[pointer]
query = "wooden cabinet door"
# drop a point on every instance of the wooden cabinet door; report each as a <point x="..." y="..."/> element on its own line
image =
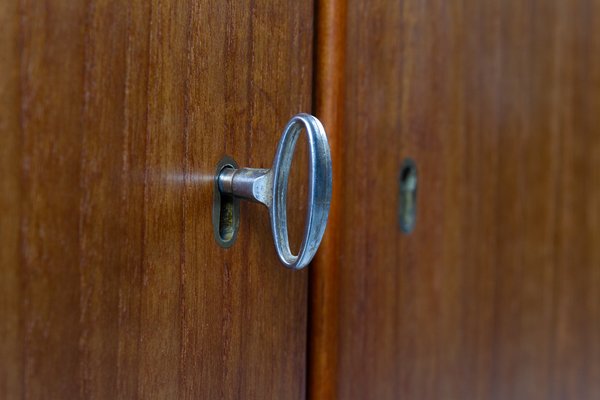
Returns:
<point x="113" y="116"/>
<point x="496" y="292"/>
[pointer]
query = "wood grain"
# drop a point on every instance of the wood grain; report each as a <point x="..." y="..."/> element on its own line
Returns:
<point x="52" y="108"/>
<point x="328" y="98"/>
<point x="113" y="117"/>
<point x="11" y="359"/>
<point x="495" y="294"/>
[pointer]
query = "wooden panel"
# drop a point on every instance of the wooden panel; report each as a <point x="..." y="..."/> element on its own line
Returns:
<point x="496" y="293"/>
<point x="52" y="63"/>
<point x="10" y="204"/>
<point x="113" y="118"/>
<point x="325" y="268"/>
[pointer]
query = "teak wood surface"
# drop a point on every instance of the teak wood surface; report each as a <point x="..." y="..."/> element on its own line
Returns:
<point x="323" y="299"/>
<point x="496" y="293"/>
<point x="113" y="116"/>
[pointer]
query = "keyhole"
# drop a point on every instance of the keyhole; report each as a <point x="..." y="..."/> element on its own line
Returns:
<point x="407" y="197"/>
<point x="226" y="209"/>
